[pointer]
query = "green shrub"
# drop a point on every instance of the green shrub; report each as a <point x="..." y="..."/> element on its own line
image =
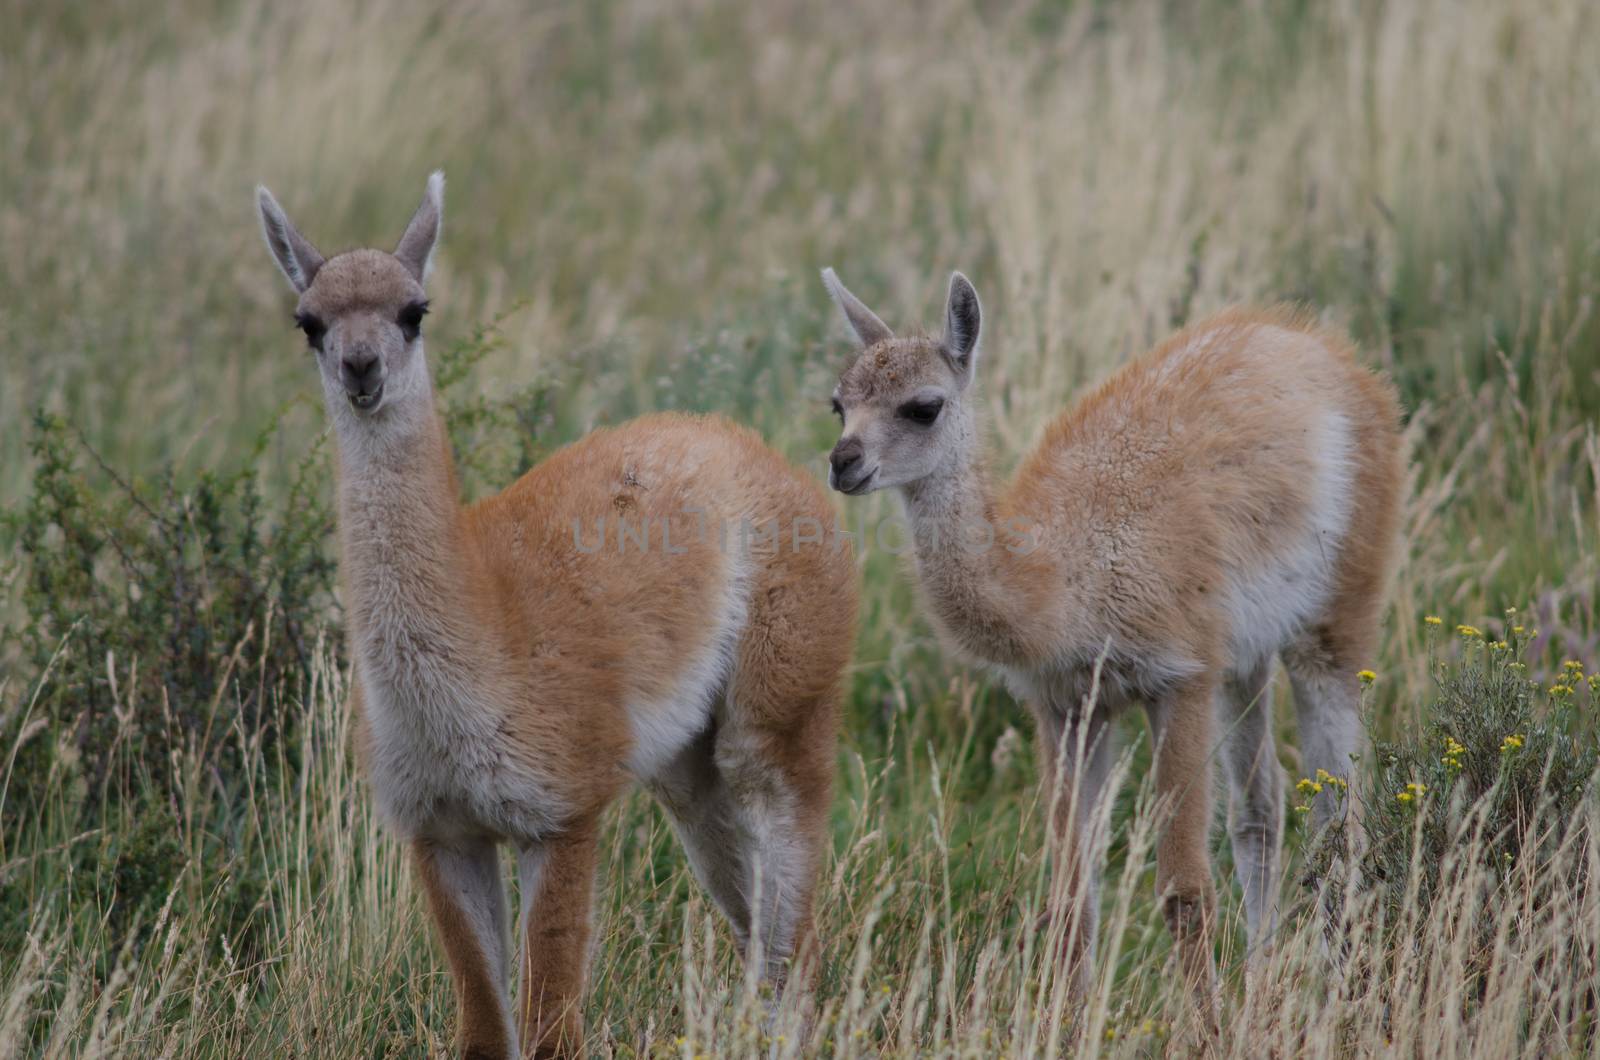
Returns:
<point x="1489" y="792"/>
<point x="140" y="599"/>
<point x="161" y="625"/>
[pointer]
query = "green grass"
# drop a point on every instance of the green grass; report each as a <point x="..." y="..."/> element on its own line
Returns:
<point x="639" y="199"/>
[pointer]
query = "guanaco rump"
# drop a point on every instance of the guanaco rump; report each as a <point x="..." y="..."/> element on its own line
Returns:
<point x="519" y="661"/>
<point x="1228" y="498"/>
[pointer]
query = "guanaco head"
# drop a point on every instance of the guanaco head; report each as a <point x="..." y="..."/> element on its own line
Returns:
<point x="362" y="310"/>
<point x="903" y="403"/>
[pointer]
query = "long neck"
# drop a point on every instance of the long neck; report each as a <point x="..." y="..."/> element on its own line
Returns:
<point x="970" y="564"/>
<point x="404" y="560"/>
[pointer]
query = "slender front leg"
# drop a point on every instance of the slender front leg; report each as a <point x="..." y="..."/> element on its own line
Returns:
<point x="1182" y="723"/>
<point x="462" y="881"/>
<point x="557" y="882"/>
<point x="1074" y="761"/>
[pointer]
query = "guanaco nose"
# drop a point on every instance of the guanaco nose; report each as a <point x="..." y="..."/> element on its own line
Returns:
<point x="360" y="371"/>
<point x="845" y="456"/>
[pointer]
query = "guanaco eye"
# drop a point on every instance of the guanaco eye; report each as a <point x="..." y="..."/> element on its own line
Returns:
<point x="410" y="319"/>
<point x="838" y="410"/>
<point x="922" y="412"/>
<point x="314" y="328"/>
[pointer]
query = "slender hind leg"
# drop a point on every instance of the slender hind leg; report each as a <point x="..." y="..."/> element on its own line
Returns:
<point x="467" y="900"/>
<point x="1255" y="783"/>
<point x="1074" y="761"/>
<point x="1323" y="665"/>
<point x="1323" y="668"/>
<point x="782" y="809"/>
<point x="755" y="834"/>
<point x="697" y="800"/>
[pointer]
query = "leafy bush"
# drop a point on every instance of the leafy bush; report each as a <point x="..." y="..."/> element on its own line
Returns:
<point x="161" y="625"/>
<point x="1489" y="794"/>
<point x="141" y="599"/>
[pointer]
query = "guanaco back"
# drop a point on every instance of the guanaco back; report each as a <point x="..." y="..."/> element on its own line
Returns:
<point x="520" y="661"/>
<point x="1229" y="498"/>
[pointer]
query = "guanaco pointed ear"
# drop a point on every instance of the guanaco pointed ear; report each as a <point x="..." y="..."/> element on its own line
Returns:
<point x="863" y="321"/>
<point x="422" y="234"/>
<point x="293" y="252"/>
<point x="963" y="318"/>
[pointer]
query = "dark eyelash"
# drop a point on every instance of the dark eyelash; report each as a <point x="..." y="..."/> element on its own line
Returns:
<point x="838" y="409"/>
<point x="923" y="412"/>
<point x="410" y="319"/>
<point x="314" y="328"/>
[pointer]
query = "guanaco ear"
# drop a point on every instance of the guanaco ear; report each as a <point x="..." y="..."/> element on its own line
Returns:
<point x="963" y="318"/>
<point x="293" y="252"/>
<point x="863" y="321"/>
<point x="422" y="234"/>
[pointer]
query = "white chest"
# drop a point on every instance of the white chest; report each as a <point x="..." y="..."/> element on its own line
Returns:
<point x="441" y="760"/>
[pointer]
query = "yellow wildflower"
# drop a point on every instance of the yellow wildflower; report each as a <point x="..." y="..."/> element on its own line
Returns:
<point x="1302" y="809"/>
<point x="1499" y="645"/>
<point x="1517" y="630"/>
<point x="1468" y="631"/>
<point x="1559" y="689"/>
<point x="1403" y="796"/>
<point x="1367" y="677"/>
<point x="1433" y="620"/>
<point x="1511" y="743"/>
<point x="1307" y="786"/>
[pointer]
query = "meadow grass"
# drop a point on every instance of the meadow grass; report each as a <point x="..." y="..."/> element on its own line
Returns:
<point x="639" y="198"/>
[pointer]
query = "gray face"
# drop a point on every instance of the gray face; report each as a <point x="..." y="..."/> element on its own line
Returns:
<point x="903" y="402"/>
<point x="362" y="315"/>
<point x="901" y="409"/>
<point x="361" y="311"/>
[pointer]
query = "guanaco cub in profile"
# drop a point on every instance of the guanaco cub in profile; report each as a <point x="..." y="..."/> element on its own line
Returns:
<point x="1230" y="497"/>
<point x="608" y="618"/>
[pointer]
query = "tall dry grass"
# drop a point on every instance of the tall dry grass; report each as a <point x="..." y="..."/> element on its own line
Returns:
<point x="642" y="192"/>
<point x="927" y="934"/>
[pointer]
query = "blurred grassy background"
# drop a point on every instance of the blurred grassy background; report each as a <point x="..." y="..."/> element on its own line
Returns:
<point x="655" y="185"/>
<point x="641" y="193"/>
